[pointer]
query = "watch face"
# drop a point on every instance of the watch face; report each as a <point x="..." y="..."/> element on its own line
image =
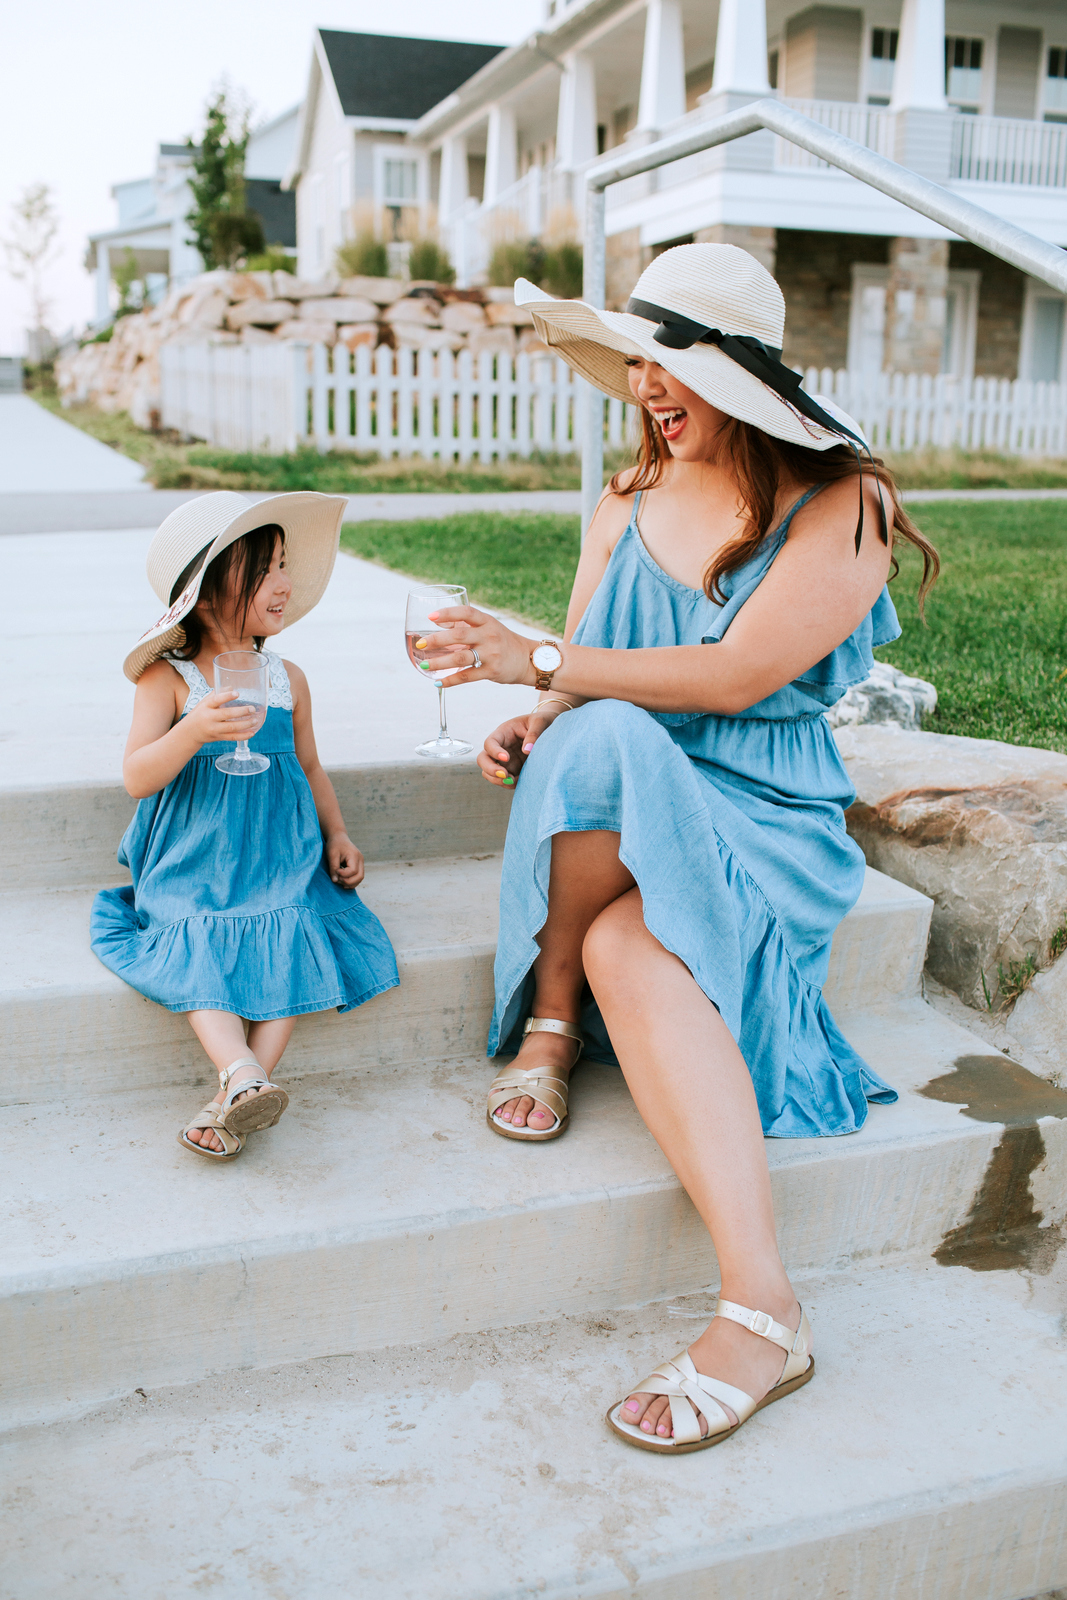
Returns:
<point x="547" y="657"/>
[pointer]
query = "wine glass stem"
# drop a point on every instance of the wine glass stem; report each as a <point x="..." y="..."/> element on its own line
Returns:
<point x="243" y="753"/>
<point x="443" y="735"/>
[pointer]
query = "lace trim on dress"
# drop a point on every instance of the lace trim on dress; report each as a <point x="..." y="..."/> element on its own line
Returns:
<point x="279" y="693"/>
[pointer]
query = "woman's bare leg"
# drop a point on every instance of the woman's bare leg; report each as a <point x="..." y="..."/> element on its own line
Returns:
<point x="224" y="1039"/>
<point x="586" y="876"/>
<point x="692" y="1087"/>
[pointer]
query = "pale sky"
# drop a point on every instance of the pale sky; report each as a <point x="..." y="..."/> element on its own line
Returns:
<point x="90" y="89"/>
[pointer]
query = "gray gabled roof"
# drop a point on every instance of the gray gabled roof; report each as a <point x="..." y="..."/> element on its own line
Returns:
<point x="380" y="75"/>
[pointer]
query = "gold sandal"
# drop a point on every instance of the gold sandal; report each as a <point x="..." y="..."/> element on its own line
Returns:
<point x="211" y="1117"/>
<point x="261" y="1110"/>
<point x="689" y="1390"/>
<point x="511" y="1082"/>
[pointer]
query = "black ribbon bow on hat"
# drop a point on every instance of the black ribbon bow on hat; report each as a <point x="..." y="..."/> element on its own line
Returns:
<point x="763" y="361"/>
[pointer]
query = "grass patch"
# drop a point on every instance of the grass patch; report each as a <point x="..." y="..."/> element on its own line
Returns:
<point x="979" y="469"/>
<point x="995" y="643"/>
<point x="519" y="562"/>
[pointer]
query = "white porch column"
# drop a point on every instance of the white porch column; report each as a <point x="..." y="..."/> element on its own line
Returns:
<point x="453" y="189"/>
<point x="501" y="152"/>
<point x="919" y="77"/>
<point x="103" y="283"/>
<point x="576" y="122"/>
<point x="662" y="67"/>
<point x="741" y="48"/>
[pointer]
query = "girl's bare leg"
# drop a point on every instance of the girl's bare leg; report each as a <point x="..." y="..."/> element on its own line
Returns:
<point x="586" y="876"/>
<point x="225" y="1039"/>
<point x="692" y="1087"/>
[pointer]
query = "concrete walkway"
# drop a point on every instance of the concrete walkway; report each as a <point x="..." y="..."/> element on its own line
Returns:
<point x="81" y="600"/>
<point x="41" y="453"/>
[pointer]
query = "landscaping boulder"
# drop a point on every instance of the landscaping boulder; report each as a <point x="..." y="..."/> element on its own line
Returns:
<point x="888" y="695"/>
<point x="415" y="309"/>
<point x="261" y="313"/>
<point x="355" y="334"/>
<point x="383" y="291"/>
<point x="463" y="316"/>
<point x="287" y="286"/>
<point x="310" y="332"/>
<point x="980" y="827"/>
<point x="492" y="341"/>
<point x="512" y="316"/>
<point x="1039" y="1019"/>
<point x="339" y="308"/>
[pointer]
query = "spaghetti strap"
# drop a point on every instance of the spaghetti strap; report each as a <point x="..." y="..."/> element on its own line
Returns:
<point x="809" y="494"/>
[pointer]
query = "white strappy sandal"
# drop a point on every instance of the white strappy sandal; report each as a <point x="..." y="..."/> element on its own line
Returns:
<point x="261" y="1110"/>
<point x="511" y="1083"/>
<point x="690" y="1392"/>
<point x="232" y="1144"/>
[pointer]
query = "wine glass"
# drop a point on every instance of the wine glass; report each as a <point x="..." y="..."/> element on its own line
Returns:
<point x="417" y="623"/>
<point x="248" y="672"/>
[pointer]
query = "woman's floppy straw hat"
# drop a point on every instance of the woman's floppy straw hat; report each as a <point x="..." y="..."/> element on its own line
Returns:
<point x="204" y="526"/>
<point x="711" y="316"/>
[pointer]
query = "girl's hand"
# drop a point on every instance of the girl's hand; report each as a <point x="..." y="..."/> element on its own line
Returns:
<point x="215" y="720"/>
<point x="343" y="861"/>
<point x="506" y="749"/>
<point x="504" y="654"/>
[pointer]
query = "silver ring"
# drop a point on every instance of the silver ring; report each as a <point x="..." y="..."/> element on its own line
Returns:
<point x="477" y="657"/>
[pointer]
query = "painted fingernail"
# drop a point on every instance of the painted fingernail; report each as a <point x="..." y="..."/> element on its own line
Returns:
<point x="420" y="644"/>
<point x="500" y="773"/>
<point x="433" y="615"/>
<point x="508" y="783"/>
<point x="526" y="749"/>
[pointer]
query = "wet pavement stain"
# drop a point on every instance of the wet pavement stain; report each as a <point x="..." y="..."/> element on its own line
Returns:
<point x="1003" y="1229"/>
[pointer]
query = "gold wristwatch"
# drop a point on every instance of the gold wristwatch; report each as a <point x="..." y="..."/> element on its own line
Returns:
<point x="546" y="658"/>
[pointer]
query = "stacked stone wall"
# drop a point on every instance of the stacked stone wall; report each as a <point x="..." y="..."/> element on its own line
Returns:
<point x="814" y="271"/>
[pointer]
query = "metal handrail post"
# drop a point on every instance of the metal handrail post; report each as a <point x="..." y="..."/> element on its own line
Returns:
<point x="1003" y="239"/>
<point x="594" y="283"/>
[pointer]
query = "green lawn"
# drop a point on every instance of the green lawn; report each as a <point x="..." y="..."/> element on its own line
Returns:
<point x="995" y="640"/>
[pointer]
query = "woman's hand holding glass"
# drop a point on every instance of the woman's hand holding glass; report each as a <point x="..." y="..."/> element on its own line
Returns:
<point x="504" y="655"/>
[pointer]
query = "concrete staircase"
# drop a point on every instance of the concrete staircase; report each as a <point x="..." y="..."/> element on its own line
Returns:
<point x="373" y="1356"/>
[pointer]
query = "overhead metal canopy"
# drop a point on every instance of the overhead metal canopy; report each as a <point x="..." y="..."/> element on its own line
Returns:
<point x="952" y="211"/>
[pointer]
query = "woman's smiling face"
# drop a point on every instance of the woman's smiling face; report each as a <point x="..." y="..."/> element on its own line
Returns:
<point x="688" y="424"/>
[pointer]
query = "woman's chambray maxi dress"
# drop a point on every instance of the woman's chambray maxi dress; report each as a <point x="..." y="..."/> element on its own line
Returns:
<point x="733" y="828"/>
<point x="231" y="906"/>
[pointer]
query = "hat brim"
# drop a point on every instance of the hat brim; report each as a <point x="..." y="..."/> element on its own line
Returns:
<point x="596" y="343"/>
<point x="311" y="523"/>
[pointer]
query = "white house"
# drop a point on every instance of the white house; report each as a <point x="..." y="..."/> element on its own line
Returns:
<point x="972" y="93"/>
<point x="152" y="211"/>
<point x="365" y="94"/>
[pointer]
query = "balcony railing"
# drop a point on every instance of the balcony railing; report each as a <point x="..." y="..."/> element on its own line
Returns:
<point x="868" y="125"/>
<point x="1007" y="150"/>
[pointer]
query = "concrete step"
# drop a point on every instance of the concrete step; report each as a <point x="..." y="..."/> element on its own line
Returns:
<point x="381" y="1210"/>
<point x="70" y="1025"/>
<point x="925" y="1459"/>
<point x="68" y="834"/>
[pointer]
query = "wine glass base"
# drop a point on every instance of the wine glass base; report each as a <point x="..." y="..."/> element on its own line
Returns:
<point x="234" y="767"/>
<point x="443" y="749"/>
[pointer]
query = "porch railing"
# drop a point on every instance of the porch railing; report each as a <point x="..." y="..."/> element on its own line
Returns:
<point x="1008" y="150"/>
<point x="867" y="125"/>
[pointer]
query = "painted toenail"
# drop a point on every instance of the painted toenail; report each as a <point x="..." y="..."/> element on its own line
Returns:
<point x="661" y="1429"/>
<point x="647" y="1426"/>
<point x="633" y="1406"/>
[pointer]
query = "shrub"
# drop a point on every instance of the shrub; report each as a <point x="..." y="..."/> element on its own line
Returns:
<point x="273" y="259"/>
<point x="235" y="235"/>
<point x="563" y="271"/>
<point x="363" y="257"/>
<point x="429" y="261"/>
<point x="516" y="258"/>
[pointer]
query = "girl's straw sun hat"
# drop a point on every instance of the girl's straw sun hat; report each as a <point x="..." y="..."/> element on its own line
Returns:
<point x="711" y="316"/>
<point x="206" y="525"/>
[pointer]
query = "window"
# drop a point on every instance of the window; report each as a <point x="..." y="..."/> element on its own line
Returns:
<point x="963" y="73"/>
<point x="866" y="329"/>
<point x="1056" y="86"/>
<point x="880" y="65"/>
<point x="772" y="69"/>
<point x="1042" y="348"/>
<point x="342" y="196"/>
<point x="400" y="182"/>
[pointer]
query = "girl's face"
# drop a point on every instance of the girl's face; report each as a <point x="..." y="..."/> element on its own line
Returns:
<point x="266" y="614"/>
<point x="688" y="423"/>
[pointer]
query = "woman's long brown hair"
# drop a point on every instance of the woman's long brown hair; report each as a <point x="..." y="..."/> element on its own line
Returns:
<point x="761" y="465"/>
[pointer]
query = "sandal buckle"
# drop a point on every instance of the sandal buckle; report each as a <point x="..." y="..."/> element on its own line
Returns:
<point x="759" y="1317"/>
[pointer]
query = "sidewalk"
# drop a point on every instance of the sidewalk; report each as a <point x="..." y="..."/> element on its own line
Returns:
<point x="40" y="452"/>
<point x="79" y="601"/>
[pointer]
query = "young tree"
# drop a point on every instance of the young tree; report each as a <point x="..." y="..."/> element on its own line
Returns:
<point x="223" y="229"/>
<point x="28" y="246"/>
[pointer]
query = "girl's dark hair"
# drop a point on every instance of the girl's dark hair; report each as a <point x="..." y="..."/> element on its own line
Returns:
<point x="243" y="564"/>
<point x="761" y="464"/>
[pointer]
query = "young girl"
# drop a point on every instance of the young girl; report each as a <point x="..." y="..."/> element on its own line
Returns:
<point x="242" y="912"/>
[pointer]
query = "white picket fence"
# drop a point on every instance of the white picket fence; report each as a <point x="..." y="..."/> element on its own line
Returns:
<point x="274" y="398"/>
<point x="397" y="403"/>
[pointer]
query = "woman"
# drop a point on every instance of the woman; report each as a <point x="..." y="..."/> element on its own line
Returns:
<point x="677" y="859"/>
